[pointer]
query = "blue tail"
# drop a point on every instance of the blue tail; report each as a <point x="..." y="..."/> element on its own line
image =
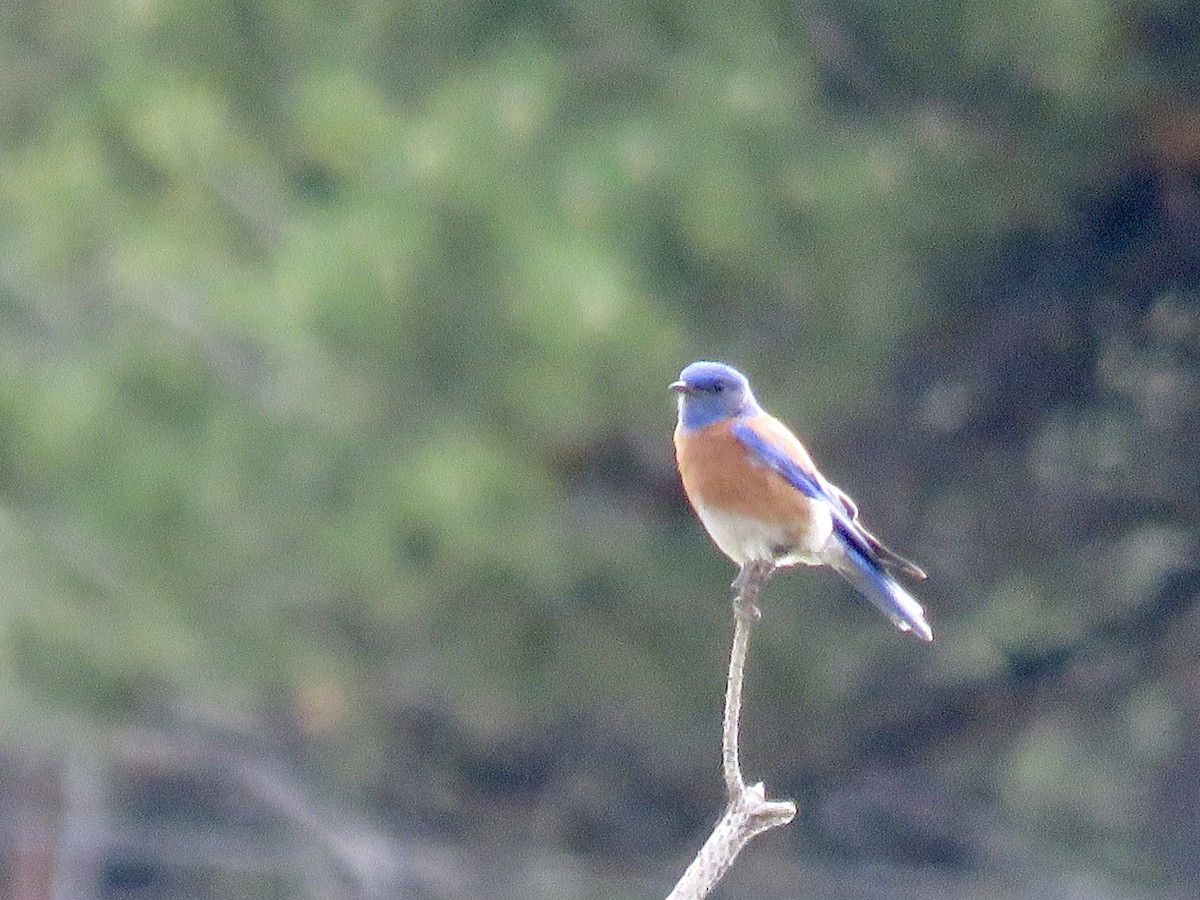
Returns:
<point x="885" y="592"/>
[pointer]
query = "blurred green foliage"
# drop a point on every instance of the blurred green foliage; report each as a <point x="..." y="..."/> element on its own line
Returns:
<point x="333" y="350"/>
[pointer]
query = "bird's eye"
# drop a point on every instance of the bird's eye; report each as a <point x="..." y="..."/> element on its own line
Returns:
<point x="718" y="387"/>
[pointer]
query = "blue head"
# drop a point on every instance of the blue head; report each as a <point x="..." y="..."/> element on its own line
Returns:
<point x="710" y="392"/>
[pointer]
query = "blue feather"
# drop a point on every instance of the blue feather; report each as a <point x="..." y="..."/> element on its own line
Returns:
<point x="860" y="563"/>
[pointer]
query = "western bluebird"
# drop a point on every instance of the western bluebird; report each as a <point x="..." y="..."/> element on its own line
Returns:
<point x="761" y="499"/>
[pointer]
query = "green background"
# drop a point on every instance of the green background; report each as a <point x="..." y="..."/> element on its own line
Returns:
<point x="341" y="549"/>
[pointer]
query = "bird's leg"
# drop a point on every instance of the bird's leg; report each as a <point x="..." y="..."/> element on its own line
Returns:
<point x="743" y="577"/>
<point x="750" y="579"/>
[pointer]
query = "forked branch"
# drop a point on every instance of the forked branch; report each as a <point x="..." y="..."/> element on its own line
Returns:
<point x="748" y="812"/>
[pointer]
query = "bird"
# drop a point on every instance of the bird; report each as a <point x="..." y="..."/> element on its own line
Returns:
<point x="762" y="500"/>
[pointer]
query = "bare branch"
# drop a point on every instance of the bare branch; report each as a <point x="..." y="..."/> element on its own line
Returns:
<point x="748" y="812"/>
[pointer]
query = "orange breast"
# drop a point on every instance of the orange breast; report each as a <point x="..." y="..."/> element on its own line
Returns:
<point x="718" y="473"/>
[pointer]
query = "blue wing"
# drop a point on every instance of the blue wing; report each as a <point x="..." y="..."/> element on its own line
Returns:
<point x="864" y="556"/>
<point x="843" y="509"/>
<point x="809" y="484"/>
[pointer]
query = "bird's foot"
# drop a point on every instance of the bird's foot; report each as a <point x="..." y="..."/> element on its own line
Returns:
<point x="751" y="578"/>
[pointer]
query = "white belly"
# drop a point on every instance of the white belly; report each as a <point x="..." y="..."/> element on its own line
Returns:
<point x="743" y="539"/>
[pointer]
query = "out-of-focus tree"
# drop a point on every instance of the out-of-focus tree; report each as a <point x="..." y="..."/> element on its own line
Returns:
<point x="333" y="352"/>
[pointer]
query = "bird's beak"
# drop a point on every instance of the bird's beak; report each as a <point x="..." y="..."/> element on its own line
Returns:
<point x="678" y="386"/>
